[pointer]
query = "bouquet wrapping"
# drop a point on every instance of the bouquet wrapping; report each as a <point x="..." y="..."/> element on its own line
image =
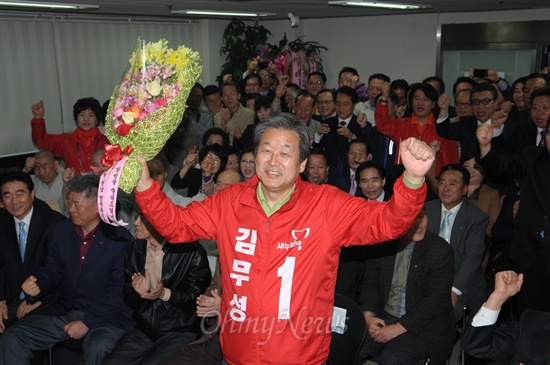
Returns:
<point x="145" y="109"/>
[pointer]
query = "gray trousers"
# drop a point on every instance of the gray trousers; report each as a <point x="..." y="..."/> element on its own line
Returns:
<point x="40" y="332"/>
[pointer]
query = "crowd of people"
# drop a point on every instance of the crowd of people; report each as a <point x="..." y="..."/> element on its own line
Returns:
<point x="405" y="198"/>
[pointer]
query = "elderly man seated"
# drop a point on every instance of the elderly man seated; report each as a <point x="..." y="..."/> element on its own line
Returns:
<point x="85" y="263"/>
<point x="48" y="183"/>
<point x="405" y="297"/>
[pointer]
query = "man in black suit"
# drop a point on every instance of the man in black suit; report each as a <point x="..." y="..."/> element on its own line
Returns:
<point x="371" y="179"/>
<point x="86" y="263"/>
<point x="483" y="101"/>
<point x="343" y="175"/>
<point x="335" y="134"/>
<point x="529" y="133"/>
<point x="405" y="297"/>
<point x="463" y="226"/>
<point x="38" y="221"/>
<point x="316" y="171"/>
<point x="525" y="342"/>
<point x="530" y="248"/>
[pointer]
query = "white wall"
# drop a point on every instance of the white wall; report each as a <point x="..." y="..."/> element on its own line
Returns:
<point x="212" y="39"/>
<point x="401" y="46"/>
<point x="61" y="61"/>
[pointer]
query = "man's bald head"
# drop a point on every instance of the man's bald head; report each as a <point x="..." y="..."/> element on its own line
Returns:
<point x="45" y="167"/>
<point x="226" y="178"/>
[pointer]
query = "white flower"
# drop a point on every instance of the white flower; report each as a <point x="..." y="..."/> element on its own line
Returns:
<point x="153" y="88"/>
<point x="128" y="117"/>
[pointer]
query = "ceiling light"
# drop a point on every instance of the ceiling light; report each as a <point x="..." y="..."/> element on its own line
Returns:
<point x="30" y="4"/>
<point x="378" y="4"/>
<point x="221" y="13"/>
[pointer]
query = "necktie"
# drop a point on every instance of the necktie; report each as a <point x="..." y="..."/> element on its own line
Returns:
<point x="395" y="304"/>
<point x="342" y="123"/>
<point x="353" y="186"/>
<point x="22" y="247"/>
<point x="445" y="230"/>
<point x="542" y="142"/>
<point x="22" y="239"/>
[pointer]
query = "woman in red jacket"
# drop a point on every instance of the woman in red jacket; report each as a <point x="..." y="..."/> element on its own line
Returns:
<point x="423" y="100"/>
<point x="78" y="147"/>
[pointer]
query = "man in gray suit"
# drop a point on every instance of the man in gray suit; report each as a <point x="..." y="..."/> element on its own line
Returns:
<point x="463" y="225"/>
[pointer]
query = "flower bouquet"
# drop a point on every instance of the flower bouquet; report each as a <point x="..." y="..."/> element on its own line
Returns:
<point x="145" y="109"/>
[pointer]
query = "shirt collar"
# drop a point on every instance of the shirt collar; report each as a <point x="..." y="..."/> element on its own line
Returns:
<point x="151" y="246"/>
<point x="489" y="122"/>
<point x="347" y="120"/>
<point x="453" y="210"/>
<point x="263" y="201"/>
<point x="80" y="232"/>
<point x="27" y="219"/>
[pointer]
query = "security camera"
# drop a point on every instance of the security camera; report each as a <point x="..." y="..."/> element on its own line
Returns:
<point x="294" y="20"/>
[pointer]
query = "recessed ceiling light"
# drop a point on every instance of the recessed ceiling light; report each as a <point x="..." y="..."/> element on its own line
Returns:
<point x="30" y="4"/>
<point x="222" y="13"/>
<point x="378" y="4"/>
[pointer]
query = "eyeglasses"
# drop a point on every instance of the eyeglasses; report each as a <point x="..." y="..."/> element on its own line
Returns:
<point x="476" y="102"/>
<point x="215" y="160"/>
<point x="248" y="162"/>
<point x="458" y="104"/>
<point x="265" y="76"/>
<point x="314" y="83"/>
<point x="233" y="93"/>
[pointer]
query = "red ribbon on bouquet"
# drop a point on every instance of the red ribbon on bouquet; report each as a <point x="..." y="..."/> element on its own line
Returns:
<point x="114" y="153"/>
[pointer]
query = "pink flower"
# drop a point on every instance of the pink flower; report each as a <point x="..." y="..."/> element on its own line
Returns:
<point x="144" y="113"/>
<point x="150" y="107"/>
<point x="117" y="112"/>
<point x="160" y="102"/>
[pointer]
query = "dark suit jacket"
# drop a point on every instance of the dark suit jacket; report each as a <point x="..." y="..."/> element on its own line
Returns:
<point x="13" y="272"/>
<point x="526" y="341"/>
<point x="532" y="166"/>
<point x="428" y="301"/>
<point x="339" y="176"/>
<point x="383" y="149"/>
<point x="98" y="288"/>
<point x="522" y="135"/>
<point x="335" y="145"/>
<point x="468" y="243"/>
<point x="464" y="131"/>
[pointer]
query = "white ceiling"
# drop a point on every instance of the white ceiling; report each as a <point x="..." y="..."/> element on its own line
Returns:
<point x="303" y="9"/>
